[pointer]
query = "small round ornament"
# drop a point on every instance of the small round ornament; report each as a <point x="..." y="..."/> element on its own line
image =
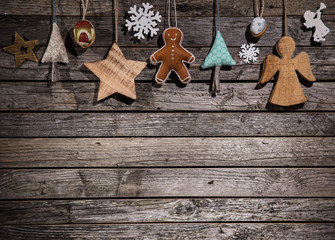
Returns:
<point x="84" y="33"/>
<point x="258" y="27"/>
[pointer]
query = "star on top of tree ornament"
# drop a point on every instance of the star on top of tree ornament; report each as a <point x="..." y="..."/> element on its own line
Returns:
<point x="19" y="46"/>
<point x="116" y="73"/>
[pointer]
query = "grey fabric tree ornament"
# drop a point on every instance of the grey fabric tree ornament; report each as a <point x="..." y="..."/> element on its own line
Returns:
<point x="56" y="51"/>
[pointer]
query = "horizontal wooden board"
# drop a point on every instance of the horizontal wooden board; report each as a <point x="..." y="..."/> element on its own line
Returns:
<point x="322" y="63"/>
<point x="193" y="231"/>
<point x="184" y="8"/>
<point x="166" y="210"/>
<point x="165" y="152"/>
<point x="233" y="31"/>
<point x="68" y="96"/>
<point x="167" y="182"/>
<point x="179" y="124"/>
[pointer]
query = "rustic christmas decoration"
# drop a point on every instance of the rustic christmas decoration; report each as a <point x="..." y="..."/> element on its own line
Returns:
<point x="22" y="50"/>
<point x="172" y="56"/>
<point x="116" y="73"/>
<point x="249" y="53"/>
<point x="84" y="33"/>
<point x="258" y="25"/>
<point x="55" y="51"/>
<point x="287" y="90"/>
<point x="218" y="55"/>
<point x="313" y="20"/>
<point x="143" y="21"/>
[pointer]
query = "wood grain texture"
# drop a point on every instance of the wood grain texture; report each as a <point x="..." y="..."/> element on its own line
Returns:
<point x="149" y="124"/>
<point x="149" y="152"/>
<point x="167" y="182"/>
<point x="177" y="163"/>
<point x="322" y="64"/>
<point x="193" y="231"/>
<point x="116" y="73"/>
<point x="81" y="96"/>
<point x="184" y="8"/>
<point x="39" y="27"/>
<point x="166" y="210"/>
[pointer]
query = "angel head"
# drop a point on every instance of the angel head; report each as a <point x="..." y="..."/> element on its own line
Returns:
<point x="285" y="47"/>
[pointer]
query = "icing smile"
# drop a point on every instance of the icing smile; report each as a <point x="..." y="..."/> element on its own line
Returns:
<point x="173" y="39"/>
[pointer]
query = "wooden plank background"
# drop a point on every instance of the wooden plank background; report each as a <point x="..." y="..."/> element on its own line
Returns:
<point x="177" y="163"/>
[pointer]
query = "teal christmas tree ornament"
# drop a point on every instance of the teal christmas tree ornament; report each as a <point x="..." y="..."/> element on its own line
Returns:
<point x="218" y="55"/>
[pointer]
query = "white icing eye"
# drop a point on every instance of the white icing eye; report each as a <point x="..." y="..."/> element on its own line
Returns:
<point x="168" y="34"/>
<point x="176" y="34"/>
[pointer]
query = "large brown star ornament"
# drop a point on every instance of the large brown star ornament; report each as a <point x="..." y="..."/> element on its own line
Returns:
<point x="20" y="44"/>
<point x="116" y="73"/>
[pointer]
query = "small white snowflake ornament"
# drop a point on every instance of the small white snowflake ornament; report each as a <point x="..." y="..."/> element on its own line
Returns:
<point x="143" y="21"/>
<point x="249" y="52"/>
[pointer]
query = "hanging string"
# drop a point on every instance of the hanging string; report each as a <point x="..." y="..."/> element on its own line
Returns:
<point x="175" y="13"/>
<point x="54" y="5"/>
<point x="116" y="19"/>
<point x="285" y="17"/>
<point x="217" y="24"/>
<point x="258" y="12"/>
<point x="84" y="6"/>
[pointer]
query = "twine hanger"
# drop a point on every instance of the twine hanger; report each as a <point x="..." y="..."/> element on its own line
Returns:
<point x="54" y="6"/>
<point x="285" y="17"/>
<point x="258" y="12"/>
<point x="116" y="18"/>
<point x="175" y="13"/>
<point x="84" y="5"/>
<point x="217" y="23"/>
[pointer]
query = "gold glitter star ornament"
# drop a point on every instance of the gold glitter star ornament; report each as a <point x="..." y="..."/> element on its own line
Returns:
<point x="20" y="44"/>
<point x="116" y="73"/>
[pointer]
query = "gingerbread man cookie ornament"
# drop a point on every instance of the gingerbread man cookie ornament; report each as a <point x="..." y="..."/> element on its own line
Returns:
<point x="172" y="57"/>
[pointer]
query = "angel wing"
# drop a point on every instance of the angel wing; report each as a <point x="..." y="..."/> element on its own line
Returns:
<point x="303" y="66"/>
<point x="270" y="67"/>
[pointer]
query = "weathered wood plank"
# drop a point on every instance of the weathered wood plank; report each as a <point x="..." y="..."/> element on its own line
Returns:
<point x="68" y="96"/>
<point x="39" y="27"/>
<point x="191" y="231"/>
<point x="81" y="73"/>
<point x="166" y="124"/>
<point x="321" y="60"/>
<point x="184" y="8"/>
<point x="166" y="210"/>
<point x="141" y="152"/>
<point x="167" y="182"/>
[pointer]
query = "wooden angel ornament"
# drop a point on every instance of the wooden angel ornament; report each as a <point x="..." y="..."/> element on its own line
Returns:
<point x="287" y="90"/>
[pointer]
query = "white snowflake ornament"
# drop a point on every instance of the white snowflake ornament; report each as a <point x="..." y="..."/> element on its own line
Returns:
<point x="249" y="52"/>
<point x="143" y="21"/>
